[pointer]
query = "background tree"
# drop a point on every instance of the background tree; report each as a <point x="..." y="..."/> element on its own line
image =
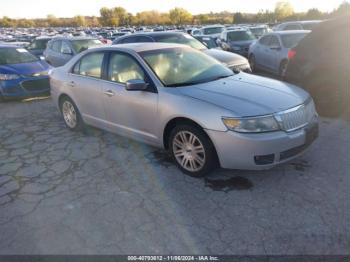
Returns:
<point x="180" y="16"/>
<point x="238" y="18"/>
<point x="79" y="21"/>
<point x="283" y="10"/>
<point x="121" y="15"/>
<point x="343" y="9"/>
<point x="107" y="17"/>
<point x="313" y="14"/>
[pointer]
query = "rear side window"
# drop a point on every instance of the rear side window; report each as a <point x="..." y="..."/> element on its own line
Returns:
<point x="90" y="65"/>
<point x="56" y="46"/>
<point x="265" y="40"/>
<point x="274" y="41"/>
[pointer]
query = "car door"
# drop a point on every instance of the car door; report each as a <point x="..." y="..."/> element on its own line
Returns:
<point x="129" y="113"/>
<point x="53" y="54"/>
<point x="85" y="86"/>
<point x="275" y="49"/>
<point x="262" y="50"/>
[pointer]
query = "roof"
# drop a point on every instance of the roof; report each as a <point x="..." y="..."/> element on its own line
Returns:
<point x="140" y="47"/>
<point x="291" y="32"/>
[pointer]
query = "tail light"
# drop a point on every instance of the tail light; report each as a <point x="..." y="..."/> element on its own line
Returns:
<point x="291" y="54"/>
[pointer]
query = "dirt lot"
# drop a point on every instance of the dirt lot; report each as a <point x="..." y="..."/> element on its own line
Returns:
<point x="98" y="193"/>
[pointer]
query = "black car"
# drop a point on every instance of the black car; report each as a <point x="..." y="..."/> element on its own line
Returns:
<point x="234" y="61"/>
<point x="210" y="42"/>
<point x="38" y="46"/>
<point x="320" y="64"/>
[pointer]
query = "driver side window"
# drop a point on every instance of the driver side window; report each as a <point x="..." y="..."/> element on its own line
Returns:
<point x="123" y="68"/>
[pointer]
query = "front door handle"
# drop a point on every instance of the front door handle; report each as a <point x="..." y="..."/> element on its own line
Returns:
<point x="109" y="93"/>
<point x="72" y="83"/>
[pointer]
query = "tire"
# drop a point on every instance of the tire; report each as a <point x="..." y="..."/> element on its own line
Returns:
<point x="330" y="98"/>
<point x="252" y="63"/>
<point x="71" y="115"/>
<point x="283" y="69"/>
<point x="1" y="98"/>
<point x="189" y="162"/>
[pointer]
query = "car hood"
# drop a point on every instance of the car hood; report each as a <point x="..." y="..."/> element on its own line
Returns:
<point x="25" y="68"/>
<point x="248" y="95"/>
<point x="226" y="57"/>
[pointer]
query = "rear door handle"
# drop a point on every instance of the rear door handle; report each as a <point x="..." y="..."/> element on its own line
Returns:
<point x="72" y="83"/>
<point x="109" y="93"/>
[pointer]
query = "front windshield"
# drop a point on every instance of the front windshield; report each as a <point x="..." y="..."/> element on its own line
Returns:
<point x="82" y="45"/>
<point x="240" y="36"/>
<point x="290" y="41"/>
<point x="180" y="39"/>
<point x="213" y="30"/>
<point x="15" y="56"/>
<point x="184" y="66"/>
<point x="209" y="42"/>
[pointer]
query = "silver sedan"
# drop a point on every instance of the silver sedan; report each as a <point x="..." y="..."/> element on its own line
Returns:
<point x="174" y="97"/>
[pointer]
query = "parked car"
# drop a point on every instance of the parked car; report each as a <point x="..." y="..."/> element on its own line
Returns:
<point x="38" y="46"/>
<point x="22" y="74"/>
<point x="208" y="41"/>
<point x="61" y="49"/>
<point x="178" y="98"/>
<point x="270" y="53"/>
<point x="320" y="64"/>
<point x="233" y="61"/>
<point x="212" y="30"/>
<point x="298" y="25"/>
<point x="237" y="41"/>
<point x="259" y="30"/>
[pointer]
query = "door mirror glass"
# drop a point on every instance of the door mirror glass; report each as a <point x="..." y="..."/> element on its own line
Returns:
<point x="136" y="85"/>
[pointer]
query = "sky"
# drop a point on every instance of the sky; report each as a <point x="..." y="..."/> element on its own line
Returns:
<point x="70" y="8"/>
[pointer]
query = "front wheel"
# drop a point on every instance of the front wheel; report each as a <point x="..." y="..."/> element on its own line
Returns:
<point x="192" y="150"/>
<point x="71" y="115"/>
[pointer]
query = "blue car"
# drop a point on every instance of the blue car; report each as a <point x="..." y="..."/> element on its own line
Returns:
<point x="22" y="74"/>
<point x="271" y="52"/>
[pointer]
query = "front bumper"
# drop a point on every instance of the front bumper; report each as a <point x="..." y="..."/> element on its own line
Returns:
<point x="25" y="87"/>
<point x="261" y="151"/>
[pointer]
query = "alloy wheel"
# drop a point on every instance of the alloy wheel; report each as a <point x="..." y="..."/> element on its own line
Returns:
<point x="69" y="114"/>
<point x="189" y="151"/>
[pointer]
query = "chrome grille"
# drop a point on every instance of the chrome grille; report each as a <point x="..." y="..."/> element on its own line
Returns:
<point x="297" y="117"/>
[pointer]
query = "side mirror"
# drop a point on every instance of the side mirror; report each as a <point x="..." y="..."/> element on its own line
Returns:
<point x="136" y="85"/>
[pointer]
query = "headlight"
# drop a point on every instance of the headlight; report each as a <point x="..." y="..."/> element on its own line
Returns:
<point x="9" y="76"/>
<point x="236" y="48"/>
<point x="252" y="124"/>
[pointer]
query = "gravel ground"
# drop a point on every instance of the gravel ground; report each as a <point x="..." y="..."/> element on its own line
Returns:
<point x="98" y="193"/>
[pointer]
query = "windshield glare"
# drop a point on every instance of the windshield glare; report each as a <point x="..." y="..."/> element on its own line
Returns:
<point x="184" y="66"/>
<point x="240" y="36"/>
<point x="82" y="45"/>
<point x="15" y="56"/>
<point x="181" y="39"/>
<point x="290" y="41"/>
